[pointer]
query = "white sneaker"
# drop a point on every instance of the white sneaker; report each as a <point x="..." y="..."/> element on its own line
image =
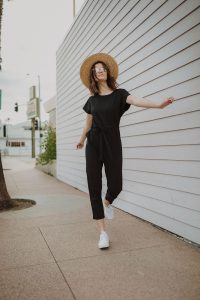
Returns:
<point x="104" y="240"/>
<point x="108" y="212"/>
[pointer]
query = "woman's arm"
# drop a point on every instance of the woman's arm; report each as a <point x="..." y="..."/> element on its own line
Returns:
<point x="88" y="124"/>
<point x="142" y="102"/>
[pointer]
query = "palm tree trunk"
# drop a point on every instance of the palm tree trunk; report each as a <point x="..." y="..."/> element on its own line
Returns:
<point x="5" y="200"/>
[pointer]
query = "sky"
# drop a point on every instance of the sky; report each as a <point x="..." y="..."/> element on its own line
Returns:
<point x="32" y="31"/>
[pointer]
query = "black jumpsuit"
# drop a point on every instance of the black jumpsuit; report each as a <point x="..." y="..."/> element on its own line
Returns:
<point x="104" y="147"/>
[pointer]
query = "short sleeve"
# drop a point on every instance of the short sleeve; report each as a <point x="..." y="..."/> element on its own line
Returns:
<point x="124" y="105"/>
<point x="87" y="106"/>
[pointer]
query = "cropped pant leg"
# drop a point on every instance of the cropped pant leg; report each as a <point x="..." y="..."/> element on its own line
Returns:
<point x="113" y="170"/>
<point x="94" y="179"/>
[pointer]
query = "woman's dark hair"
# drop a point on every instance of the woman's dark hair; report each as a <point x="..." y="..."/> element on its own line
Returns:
<point x="93" y="87"/>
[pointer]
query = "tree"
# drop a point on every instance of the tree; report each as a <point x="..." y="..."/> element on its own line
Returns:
<point x="48" y="146"/>
<point x="5" y="200"/>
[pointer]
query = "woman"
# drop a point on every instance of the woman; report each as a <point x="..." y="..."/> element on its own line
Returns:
<point x="104" y="109"/>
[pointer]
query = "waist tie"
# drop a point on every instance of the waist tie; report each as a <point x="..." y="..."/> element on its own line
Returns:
<point x="103" y="138"/>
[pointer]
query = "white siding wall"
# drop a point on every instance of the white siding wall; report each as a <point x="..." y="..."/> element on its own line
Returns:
<point x="156" y="44"/>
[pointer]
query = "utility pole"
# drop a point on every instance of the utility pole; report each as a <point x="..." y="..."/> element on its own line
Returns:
<point x="33" y="136"/>
<point x="39" y="115"/>
<point x="32" y="113"/>
<point x="74" y="8"/>
<point x="39" y="112"/>
<point x="6" y="134"/>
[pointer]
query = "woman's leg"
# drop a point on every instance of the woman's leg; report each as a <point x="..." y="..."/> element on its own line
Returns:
<point x="114" y="182"/>
<point x="113" y="170"/>
<point x="94" y="179"/>
<point x="101" y="224"/>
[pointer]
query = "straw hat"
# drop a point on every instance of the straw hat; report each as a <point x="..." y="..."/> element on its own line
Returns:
<point x="89" y="61"/>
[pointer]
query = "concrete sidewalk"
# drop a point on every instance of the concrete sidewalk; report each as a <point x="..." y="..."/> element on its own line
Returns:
<point x="49" y="251"/>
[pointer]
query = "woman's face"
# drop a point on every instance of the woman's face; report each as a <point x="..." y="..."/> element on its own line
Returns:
<point x="100" y="72"/>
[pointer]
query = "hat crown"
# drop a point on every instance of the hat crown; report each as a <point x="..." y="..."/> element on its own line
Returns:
<point x="107" y="59"/>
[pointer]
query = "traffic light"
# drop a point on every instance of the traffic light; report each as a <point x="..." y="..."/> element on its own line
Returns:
<point x="36" y="124"/>
<point x="16" y="106"/>
<point x="4" y="131"/>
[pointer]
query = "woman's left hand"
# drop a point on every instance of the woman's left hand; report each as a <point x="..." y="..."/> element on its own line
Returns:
<point x="167" y="101"/>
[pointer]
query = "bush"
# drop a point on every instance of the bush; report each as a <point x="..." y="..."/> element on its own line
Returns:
<point x="48" y="146"/>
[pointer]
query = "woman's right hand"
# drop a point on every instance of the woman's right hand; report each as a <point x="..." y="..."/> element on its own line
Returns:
<point x="80" y="145"/>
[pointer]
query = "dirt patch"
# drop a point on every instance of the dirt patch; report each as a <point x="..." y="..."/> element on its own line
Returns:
<point x="20" y="204"/>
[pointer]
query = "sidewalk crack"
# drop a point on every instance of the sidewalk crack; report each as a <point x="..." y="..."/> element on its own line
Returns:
<point x="58" y="265"/>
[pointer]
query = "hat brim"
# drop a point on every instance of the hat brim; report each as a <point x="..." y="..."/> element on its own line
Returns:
<point x="89" y="61"/>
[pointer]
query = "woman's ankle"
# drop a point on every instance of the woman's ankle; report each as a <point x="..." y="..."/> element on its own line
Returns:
<point x="101" y="225"/>
<point x="106" y="202"/>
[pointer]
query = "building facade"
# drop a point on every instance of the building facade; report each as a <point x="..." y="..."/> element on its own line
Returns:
<point x="156" y="44"/>
<point x="15" y="140"/>
<point x="50" y="108"/>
